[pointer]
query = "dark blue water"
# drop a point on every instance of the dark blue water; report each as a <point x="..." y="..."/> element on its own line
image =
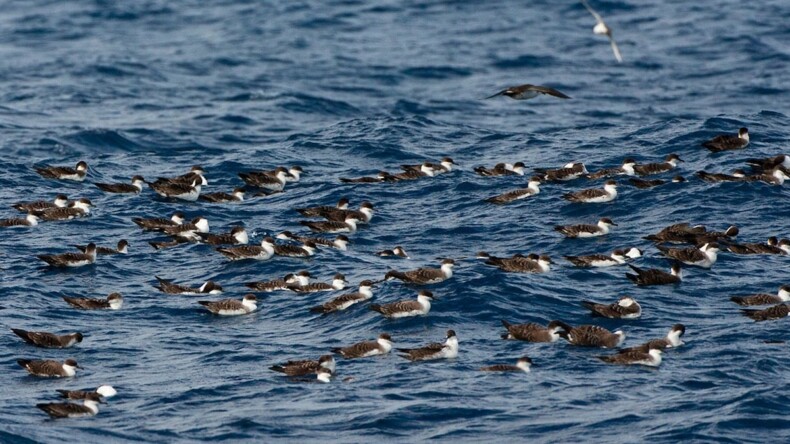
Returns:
<point x="346" y="88"/>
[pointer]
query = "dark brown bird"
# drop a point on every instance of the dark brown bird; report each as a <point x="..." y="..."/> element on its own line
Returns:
<point x="135" y="187"/>
<point x="592" y="336"/>
<point x="48" y="340"/>
<point x="652" y="276"/>
<point x="776" y="312"/>
<point x="522" y="365"/>
<point x="764" y="298"/>
<point x="533" y="332"/>
<point x="305" y="367"/>
<point x="527" y="91"/>
<point x="726" y="142"/>
<point x="113" y="302"/>
<point x="625" y="308"/>
<point x="89" y="407"/>
<point x="122" y="248"/>
<point x="380" y="346"/>
<point x="64" y="173"/>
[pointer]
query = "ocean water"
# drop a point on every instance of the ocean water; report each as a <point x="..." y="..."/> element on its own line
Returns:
<point x="347" y="88"/>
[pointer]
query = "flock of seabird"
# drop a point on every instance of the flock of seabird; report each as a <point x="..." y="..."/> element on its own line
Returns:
<point x="703" y="247"/>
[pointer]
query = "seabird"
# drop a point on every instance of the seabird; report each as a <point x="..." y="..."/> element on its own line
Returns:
<point x="196" y="172"/>
<point x="425" y="170"/>
<point x="527" y="91"/>
<point x="64" y="173"/>
<point x="50" y="369"/>
<point x="402" y="309"/>
<point x="448" y="350"/>
<point x="772" y="246"/>
<point x="261" y="252"/>
<point x="595" y="195"/>
<point x="625" y="308"/>
<point x="532" y="332"/>
<point x="586" y="230"/>
<point x="178" y="190"/>
<point x="775" y="177"/>
<point x="159" y="223"/>
<point x="626" y="169"/>
<point x="236" y="196"/>
<point x="643" y="184"/>
<point x="654" y="276"/>
<point x="618" y="257"/>
<point x="348" y="226"/>
<point x="319" y="211"/>
<point x="31" y="220"/>
<point x="323" y="375"/>
<point x="651" y="359"/>
<point x="424" y="276"/>
<point x="726" y="142"/>
<point x="776" y="312"/>
<point x="305" y="367"/>
<point x="769" y="163"/>
<point x="113" y="302"/>
<point x="502" y="169"/>
<point x="89" y="407"/>
<point x="380" y="346"/>
<point x="300" y="278"/>
<point x="763" y="298"/>
<point x="105" y="391"/>
<point x="78" y="208"/>
<point x="345" y="301"/>
<point x="267" y="180"/>
<point x="671" y="340"/>
<point x="522" y="193"/>
<point x="48" y="340"/>
<point x="123" y="248"/>
<point x="395" y="252"/>
<point x="135" y="187"/>
<point x="338" y="283"/>
<point x="601" y="28"/>
<point x="232" y="307"/>
<point x="570" y="171"/>
<point x="340" y="242"/>
<point x="40" y="205"/>
<point x="236" y="236"/>
<point x="519" y="263"/>
<point x="305" y="250"/>
<point x="445" y="166"/>
<point x="168" y="287"/>
<point x="71" y="259"/>
<point x="677" y="233"/>
<point x="382" y="176"/>
<point x="522" y="365"/>
<point x="647" y="169"/>
<point x="189" y="231"/>
<point x="736" y="176"/>
<point x="363" y="215"/>
<point x="704" y="256"/>
<point x="592" y="336"/>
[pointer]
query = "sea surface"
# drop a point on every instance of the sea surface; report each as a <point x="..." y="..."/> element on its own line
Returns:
<point x="348" y="88"/>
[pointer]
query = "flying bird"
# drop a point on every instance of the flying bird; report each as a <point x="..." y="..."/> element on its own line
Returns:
<point x="601" y="28"/>
<point x="527" y="91"/>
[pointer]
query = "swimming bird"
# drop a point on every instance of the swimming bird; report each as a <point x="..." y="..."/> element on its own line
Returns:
<point x="113" y="302"/>
<point x="300" y="279"/>
<point x="775" y="177"/>
<point x="776" y="312"/>
<point x="236" y="236"/>
<point x="520" y="263"/>
<point x="261" y="252"/>
<point x="122" y="248"/>
<point x="448" y="350"/>
<point x="763" y="298"/>
<point x="345" y="301"/>
<point x="626" y="169"/>
<point x="502" y="169"/>
<point x="64" y="173"/>
<point x="168" y="287"/>
<point x="570" y="171"/>
<point x="320" y="210"/>
<point x="618" y="257"/>
<point x="305" y="367"/>
<point x="105" y="391"/>
<point x="769" y="163"/>
<point x="425" y="170"/>
<point x="196" y="172"/>
<point x="532" y="332"/>
<point x="704" y="256"/>
<point x="594" y="195"/>
<point x="236" y="196"/>
<point x="60" y="201"/>
<point x="671" y="340"/>
<point x="50" y="369"/>
<point x="586" y="230"/>
<point x="76" y="209"/>
<point x="232" y="307"/>
<point x="189" y="232"/>
<point x="625" y="308"/>
<point x="592" y="336"/>
<point x="135" y="187"/>
<point x="338" y="283"/>
<point x="159" y="223"/>
<point x="650" y="359"/>
<point x="382" y="176"/>
<point x="89" y="407"/>
<point x="522" y="365"/>
<point x="677" y="233"/>
<point x="771" y="246"/>
<point x="643" y="184"/>
<point x="306" y="250"/>
<point x="364" y="214"/>
<point x="395" y="252"/>
<point x="182" y="191"/>
<point x="736" y="176"/>
<point x="380" y="346"/>
<point x="71" y="259"/>
<point x="424" y="276"/>
<point x="348" y="226"/>
<point x="654" y="276"/>
<point x="340" y="242"/>
<point x="532" y="189"/>
<point x="31" y="220"/>
<point x="267" y="180"/>
<point x="647" y="169"/>
<point x="48" y="340"/>
<point x="527" y="91"/>
<point x="402" y="309"/>
<point x="726" y="142"/>
<point x="601" y="28"/>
